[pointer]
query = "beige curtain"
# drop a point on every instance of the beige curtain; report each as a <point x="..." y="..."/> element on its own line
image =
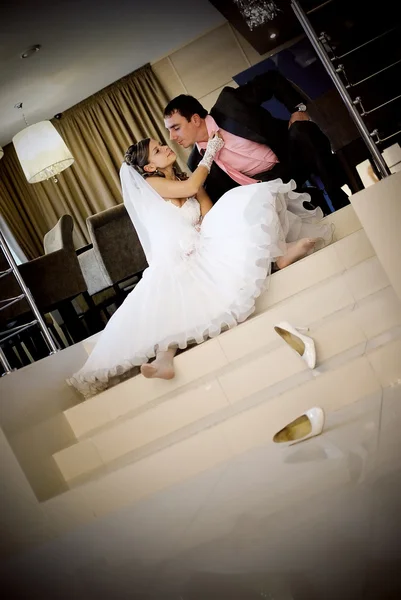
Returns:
<point x="97" y="131"/>
<point x="17" y="207"/>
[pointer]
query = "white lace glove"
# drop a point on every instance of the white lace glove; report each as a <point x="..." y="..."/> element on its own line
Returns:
<point x="213" y="146"/>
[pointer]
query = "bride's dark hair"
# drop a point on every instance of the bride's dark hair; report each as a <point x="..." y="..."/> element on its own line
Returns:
<point x="137" y="156"/>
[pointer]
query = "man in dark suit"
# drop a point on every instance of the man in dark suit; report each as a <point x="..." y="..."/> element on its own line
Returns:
<point x="258" y="147"/>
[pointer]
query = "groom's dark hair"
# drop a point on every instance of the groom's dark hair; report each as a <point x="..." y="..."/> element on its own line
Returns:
<point x="187" y="106"/>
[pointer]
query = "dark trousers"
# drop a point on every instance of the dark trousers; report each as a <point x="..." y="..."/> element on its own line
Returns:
<point x="309" y="153"/>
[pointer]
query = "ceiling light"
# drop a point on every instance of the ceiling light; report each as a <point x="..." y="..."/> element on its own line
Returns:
<point x="41" y="152"/>
<point x="273" y="35"/>
<point x="31" y="51"/>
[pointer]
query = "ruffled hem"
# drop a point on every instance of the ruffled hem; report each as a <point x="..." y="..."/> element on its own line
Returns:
<point x="259" y="260"/>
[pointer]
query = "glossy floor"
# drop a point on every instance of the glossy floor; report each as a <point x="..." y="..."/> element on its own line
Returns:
<point x="315" y="521"/>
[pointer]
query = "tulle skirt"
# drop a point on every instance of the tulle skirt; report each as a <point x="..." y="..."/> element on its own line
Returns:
<point x="209" y="286"/>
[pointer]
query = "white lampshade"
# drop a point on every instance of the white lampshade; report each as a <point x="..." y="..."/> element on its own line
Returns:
<point x="1" y="152"/>
<point x="41" y="151"/>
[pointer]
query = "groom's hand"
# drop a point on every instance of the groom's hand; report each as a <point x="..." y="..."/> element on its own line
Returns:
<point x="298" y="116"/>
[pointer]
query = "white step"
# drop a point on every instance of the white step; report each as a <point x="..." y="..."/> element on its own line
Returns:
<point x="345" y="222"/>
<point x="314" y="278"/>
<point x="255" y="361"/>
<point x="336" y="387"/>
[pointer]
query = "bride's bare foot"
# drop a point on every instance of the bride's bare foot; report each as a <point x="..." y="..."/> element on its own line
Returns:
<point x="158" y="371"/>
<point x="296" y="251"/>
<point x="161" y="368"/>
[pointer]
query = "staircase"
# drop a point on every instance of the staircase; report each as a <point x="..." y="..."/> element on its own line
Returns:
<point x="68" y="462"/>
<point x="233" y="392"/>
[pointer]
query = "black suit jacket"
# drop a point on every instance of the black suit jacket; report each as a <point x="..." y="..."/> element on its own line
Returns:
<point x="239" y="111"/>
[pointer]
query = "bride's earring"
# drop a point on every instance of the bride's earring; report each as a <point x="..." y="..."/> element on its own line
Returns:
<point x="147" y="169"/>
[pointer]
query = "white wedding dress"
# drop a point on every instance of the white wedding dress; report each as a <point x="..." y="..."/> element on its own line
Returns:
<point x="203" y="277"/>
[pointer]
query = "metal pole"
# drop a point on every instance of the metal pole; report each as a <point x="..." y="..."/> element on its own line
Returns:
<point x="321" y="52"/>
<point x="28" y="295"/>
<point x="6" y="365"/>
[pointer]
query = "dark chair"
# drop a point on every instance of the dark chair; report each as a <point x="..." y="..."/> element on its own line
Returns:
<point x="54" y="280"/>
<point x="21" y="339"/>
<point x="116" y="255"/>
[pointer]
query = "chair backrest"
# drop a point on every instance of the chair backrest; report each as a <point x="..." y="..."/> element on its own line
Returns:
<point x="60" y="236"/>
<point x="52" y="278"/>
<point x="116" y="243"/>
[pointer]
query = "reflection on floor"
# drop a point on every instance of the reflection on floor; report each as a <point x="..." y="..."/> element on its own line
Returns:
<point x="318" y="520"/>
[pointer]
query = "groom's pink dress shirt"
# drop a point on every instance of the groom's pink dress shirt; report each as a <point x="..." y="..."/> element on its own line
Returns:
<point x="240" y="158"/>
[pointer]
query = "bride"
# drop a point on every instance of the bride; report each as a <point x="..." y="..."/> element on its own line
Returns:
<point x="207" y="264"/>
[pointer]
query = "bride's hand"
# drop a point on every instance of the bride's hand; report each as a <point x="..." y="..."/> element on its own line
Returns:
<point x="215" y="143"/>
<point x="213" y="134"/>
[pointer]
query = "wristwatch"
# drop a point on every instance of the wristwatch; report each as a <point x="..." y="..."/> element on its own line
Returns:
<point x="300" y="107"/>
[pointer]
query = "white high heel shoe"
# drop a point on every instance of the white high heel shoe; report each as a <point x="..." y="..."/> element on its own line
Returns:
<point x="308" y="425"/>
<point x="302" y="344"/>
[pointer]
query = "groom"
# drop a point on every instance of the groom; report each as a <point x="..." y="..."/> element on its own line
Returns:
<point x="258" y="147"/>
